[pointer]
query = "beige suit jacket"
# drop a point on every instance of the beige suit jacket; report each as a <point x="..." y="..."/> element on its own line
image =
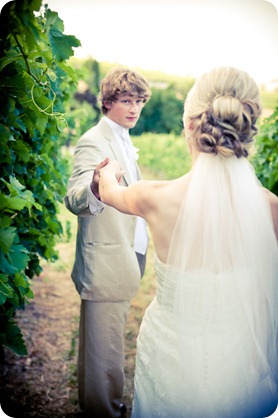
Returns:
<point x="106" y="266"/>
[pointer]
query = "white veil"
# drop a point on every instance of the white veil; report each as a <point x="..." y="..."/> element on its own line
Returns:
<point x="222" y="288"/>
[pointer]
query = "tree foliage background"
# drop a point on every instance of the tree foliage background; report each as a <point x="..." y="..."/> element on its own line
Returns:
<point x="266" y="157"/>
<point x="36" y="83"/>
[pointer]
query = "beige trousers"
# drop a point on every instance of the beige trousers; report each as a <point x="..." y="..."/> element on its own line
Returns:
<point x="101" y="357"/>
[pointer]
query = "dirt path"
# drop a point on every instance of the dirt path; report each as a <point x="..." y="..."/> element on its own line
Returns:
<point x="43" y="384"/>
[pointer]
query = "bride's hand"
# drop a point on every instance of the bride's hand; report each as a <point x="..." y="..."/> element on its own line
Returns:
<point x="114" y="168"/>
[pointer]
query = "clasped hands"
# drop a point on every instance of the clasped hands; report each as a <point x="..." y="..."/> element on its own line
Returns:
<point x="112" y="166"/>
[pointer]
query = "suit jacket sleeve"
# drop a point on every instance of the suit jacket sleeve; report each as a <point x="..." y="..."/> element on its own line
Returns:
<point x="87" y="156"/>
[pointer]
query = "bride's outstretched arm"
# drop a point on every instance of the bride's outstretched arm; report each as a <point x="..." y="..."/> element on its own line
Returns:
<point x="145" y="198"/>
<point x="124" y="199"/>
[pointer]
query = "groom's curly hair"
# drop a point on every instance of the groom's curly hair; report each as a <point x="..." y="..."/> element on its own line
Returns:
<point x="120" y="81"/>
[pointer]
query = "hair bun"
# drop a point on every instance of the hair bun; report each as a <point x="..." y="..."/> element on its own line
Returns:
<point x="224" y="105"/>
<point x="226" y="108"/>
<point x="228" y="126"/>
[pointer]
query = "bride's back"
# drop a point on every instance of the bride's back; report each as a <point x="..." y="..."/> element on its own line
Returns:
<point x="167" y="199"/>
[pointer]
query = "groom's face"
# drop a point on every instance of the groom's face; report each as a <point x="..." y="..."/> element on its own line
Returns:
<point x="125" y="110"/>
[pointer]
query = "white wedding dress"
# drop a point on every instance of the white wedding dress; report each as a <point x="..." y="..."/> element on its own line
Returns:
<point x="207" y="346"/>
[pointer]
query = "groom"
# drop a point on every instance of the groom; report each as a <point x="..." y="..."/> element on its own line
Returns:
<point x="110" y="246"/>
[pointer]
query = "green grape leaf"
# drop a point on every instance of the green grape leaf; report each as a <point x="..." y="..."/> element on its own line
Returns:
<point x="18" y="257"/>
<point x="7" y="237"/>
<point x="22" y="150"/>
<point x="11" y="56"/>
<point x="62" y="44"/>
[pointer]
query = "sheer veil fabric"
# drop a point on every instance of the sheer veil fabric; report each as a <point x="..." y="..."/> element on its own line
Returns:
<point x="218" y="296"/>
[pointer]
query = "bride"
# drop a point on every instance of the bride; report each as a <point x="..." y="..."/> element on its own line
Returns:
<point x="207" y="346"/>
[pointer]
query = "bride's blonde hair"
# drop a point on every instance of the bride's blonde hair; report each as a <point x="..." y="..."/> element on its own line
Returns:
<point x="223" y="107"/>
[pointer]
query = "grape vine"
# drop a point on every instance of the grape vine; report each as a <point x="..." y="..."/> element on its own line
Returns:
<point x="35" y="84"/>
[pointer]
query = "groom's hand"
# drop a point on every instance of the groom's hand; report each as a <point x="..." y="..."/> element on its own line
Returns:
<point x="95" y="180"/>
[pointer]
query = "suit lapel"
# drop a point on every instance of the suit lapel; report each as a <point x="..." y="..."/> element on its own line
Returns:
<point x="139" y="175"/>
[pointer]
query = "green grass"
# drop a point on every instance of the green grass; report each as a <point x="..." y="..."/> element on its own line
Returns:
<point x="269" y="99"/>
<point x="163" y="156"/>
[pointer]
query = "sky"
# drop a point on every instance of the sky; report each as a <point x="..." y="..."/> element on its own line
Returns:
<point x="183" y="37"/>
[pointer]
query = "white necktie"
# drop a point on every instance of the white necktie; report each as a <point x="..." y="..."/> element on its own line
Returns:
<point x="131" y="150"/>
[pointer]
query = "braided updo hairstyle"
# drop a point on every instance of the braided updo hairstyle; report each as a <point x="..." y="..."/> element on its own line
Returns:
<point x="224" y="106"/>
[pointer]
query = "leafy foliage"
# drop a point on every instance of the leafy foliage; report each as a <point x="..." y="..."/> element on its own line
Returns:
<point x="35" y="85"/>
<point x="266" y="157"/>
<point x="85" y="110"/>
<point x="163" y="113"/>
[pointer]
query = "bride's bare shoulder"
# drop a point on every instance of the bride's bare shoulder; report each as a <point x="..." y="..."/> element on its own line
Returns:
<point x="273" y="201"/>
<point x="150" y="194"/>
<point x="161" y="185"/>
